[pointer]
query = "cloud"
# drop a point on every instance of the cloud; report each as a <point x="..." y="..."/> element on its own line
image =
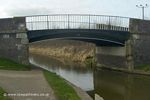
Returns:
<point x="3" y="14"/>
<point x="44" y="7"/>
<point x="34" y="7"/>
<point x="28" y="11"/>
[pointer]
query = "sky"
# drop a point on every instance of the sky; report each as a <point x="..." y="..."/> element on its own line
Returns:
<point x="126" y="8"/>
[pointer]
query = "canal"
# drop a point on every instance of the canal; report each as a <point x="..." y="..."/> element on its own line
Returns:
<point x="110" y="85"/>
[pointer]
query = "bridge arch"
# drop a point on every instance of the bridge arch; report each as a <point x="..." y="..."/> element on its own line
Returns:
<point x="99" y="37"/>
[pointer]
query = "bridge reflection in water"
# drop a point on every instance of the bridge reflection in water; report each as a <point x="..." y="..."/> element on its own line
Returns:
<point x="110" y="85"/>
<point x="75" y="73"/>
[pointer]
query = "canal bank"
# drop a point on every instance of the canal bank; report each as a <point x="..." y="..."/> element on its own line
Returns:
<point x="134" y="71"/>
<point x="21" y="83"/>
<point x="30" y="83"/>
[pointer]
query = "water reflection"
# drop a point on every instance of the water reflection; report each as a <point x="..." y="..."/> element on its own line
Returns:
<point x="121" y="86"/>
<point x="77" y="74"/>
<point x="110" y="85"/>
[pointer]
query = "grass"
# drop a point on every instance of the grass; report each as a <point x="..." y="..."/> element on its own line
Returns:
<point x="7" y="64"/>
<point x="2" y="97"/>
<point x="62" y="90"/>
<point x="145" y="68"/>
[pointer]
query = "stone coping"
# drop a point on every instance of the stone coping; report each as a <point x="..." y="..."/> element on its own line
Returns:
<point x="13" y="31"/>
<point x="138" y="72"/>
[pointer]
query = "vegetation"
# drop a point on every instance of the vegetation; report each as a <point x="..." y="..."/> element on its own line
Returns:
<point x="62" y="90"/>
<point x="143" y="67"/>
<point x="90" y="62"/>
<point x="7" y="64"/>
<point x="2" y="97"/>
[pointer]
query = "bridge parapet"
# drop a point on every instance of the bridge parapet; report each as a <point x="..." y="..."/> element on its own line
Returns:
<point x="139" y="26"/>
<point x="77" y="21"/>
<point x="139" y="42"/>
<point x="13" y="39"/>
<point x="10" y="25"/>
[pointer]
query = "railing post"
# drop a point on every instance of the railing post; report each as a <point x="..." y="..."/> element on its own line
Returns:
<point x="109" y="26"/>
<point x="68" y="21"/>
<point x="31" y="25"/>
<point x="47" y="23"/>
<point x="89" y="22"/>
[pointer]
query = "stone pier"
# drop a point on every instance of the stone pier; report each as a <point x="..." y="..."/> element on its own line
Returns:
<point x="111" y="56"/>
<point x="140" y="41"/>
<point x="136" y="51"/>
<point x="14" y="40"/>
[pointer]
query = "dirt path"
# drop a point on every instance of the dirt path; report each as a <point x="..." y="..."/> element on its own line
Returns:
<point x="29" y="84"/>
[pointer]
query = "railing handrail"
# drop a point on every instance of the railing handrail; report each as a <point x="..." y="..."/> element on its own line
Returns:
<point x="75" y="21"/>
<point x="74" y="15"/>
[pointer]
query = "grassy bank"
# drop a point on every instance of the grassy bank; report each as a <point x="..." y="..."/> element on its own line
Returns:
<point x="62" y="90"/>
<point x="145" y="68"/>
<point x="7" y="64"/>
<point x="1" y="95"/>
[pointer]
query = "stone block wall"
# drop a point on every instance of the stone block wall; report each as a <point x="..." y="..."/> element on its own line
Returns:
<point x="140" y="41"/>
<point x="141" y="50"/>
<point x="111" y="57"/>
<point x="14" y="40"/>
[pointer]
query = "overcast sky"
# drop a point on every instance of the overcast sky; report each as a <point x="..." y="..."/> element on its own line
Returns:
<point x="9" y="8"/>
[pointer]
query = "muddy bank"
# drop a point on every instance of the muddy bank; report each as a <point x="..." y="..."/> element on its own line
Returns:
<point x="76" y="51"/>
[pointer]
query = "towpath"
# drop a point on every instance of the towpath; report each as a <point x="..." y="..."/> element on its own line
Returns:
<point x="26" y="85"/>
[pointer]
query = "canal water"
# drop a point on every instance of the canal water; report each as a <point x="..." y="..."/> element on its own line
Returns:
<point x="110" y="85"/>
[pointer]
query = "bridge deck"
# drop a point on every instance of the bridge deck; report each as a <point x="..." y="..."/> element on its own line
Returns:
<point x="99" y="37"/>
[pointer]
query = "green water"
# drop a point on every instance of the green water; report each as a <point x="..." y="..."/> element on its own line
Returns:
<point x="113" y="85"/>
<point x="108" y="84"/>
